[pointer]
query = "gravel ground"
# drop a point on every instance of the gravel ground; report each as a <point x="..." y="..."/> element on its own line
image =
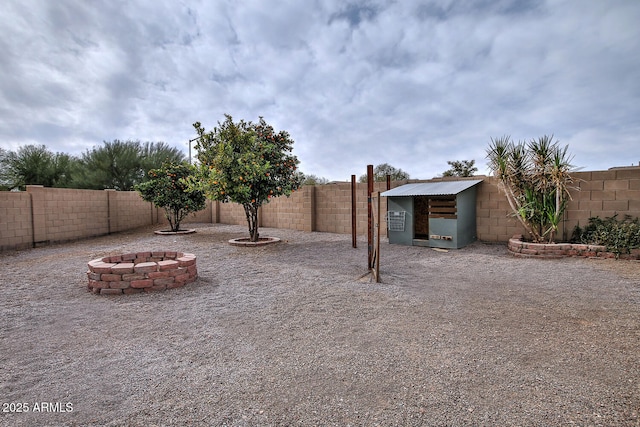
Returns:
<point x="290" y="334"/>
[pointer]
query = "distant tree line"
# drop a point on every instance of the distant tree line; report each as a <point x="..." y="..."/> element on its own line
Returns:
<point x="381" y="171"/>
<point x="462" y="168"/>
<point x="311" y="179"/>
<point x="120" y="165"/>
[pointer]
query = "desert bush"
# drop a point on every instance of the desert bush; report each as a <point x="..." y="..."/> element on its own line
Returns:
<point x="619" y="236"/>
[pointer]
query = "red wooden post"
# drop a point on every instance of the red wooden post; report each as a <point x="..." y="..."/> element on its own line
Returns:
<point x="377" y="261"/>
<point x="388" y="188"/>
<point x="369" y="213"/>
<point x="354" y="240"/>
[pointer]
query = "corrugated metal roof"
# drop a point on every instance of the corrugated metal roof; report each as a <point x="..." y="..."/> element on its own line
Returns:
<point x="439" y="188"/>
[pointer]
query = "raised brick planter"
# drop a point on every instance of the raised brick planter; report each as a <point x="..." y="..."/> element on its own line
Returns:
<point x="519" y="248"/>
<point x="141" y="272"/>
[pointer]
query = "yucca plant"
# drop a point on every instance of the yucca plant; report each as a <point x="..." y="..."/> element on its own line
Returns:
<point x="507" y="161"/>
<point x="536" y="178"/>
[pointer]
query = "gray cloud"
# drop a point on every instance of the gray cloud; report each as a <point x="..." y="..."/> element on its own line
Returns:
<point x="413" y="84"/>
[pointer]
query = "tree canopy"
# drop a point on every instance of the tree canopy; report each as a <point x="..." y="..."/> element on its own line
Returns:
<point x="35" y="165"/>
<point x="167" y="187"/>
<point x="122" y="164"/>
<point x="311" y="179"/>
<point x="246" y="163"/>
<point x="461" y="168"/>
<point x="118" y="164"/>
<point x="381" y="171"/>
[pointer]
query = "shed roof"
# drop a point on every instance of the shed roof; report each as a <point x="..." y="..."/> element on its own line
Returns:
<point x="439" y="188"/>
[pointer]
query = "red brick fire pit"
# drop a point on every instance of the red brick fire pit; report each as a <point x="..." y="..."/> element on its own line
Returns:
<point x="141" y="272"/>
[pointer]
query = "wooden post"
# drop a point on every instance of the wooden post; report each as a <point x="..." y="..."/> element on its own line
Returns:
<point x="354" y="239"/>
<point x="377" y="266"/>
<point x="369" y="214"/>
<point x="386" y="225"/>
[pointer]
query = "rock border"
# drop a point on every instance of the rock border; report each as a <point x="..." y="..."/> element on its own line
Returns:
<point x="262" y="241"/>
<point x="141" y="272"/>
<point x="172" y="233"/>
<point x="519" y="248"/>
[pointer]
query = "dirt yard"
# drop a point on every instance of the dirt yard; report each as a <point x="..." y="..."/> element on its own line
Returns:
<point x="288" y="334"/>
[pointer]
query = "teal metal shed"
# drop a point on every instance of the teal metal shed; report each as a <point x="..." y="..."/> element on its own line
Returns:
<point x="439" y="214"/>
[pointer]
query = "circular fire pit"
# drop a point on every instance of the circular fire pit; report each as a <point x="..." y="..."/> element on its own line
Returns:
<point x="141" y="272"/>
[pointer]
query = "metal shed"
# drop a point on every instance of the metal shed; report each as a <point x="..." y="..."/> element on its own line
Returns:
<point x="438" y="214"/>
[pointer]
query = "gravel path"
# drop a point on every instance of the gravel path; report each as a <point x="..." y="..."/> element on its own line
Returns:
<point x="287" y="334"/>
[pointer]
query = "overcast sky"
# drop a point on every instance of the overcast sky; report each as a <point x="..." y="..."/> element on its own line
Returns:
<point x="409" y="83"/>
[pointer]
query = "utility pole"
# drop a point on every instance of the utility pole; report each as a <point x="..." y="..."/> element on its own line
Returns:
<point x="190" y="141"/>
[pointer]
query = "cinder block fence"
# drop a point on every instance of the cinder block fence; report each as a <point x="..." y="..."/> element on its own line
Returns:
<point x="42" y="215"/>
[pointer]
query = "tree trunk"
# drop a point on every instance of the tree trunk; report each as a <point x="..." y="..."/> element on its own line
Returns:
<point x="176" y="221"/>
<point x="167" y="214"/>
<point x="251" y="212"/>
<point x="174" y="217"/>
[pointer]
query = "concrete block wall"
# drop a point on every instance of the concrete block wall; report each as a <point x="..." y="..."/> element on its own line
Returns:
<point x="595" y="194"/>
<point x="207" y="215"/>
<point x="61" y="214"/>
<point x="295" y="212"/>
<point x="44" y="215"/>
<point x="333" y="208"/>
<point x="603" y="194"/>
<point x="16" y="221"/>
<point x="231" y="213"/>
<point x="268" y="214"/>
<point x="494" y="221"/>
<point x="128" y="211"/>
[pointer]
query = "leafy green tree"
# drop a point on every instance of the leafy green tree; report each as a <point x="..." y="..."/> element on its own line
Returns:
<point x="122" y="164"/>
<point x="3" y="184"/>
<point x="462" y="168"/>
<point x="246" y="163"/>
<point x="168" y="188"/>
<point x="312" y="179"/>
<point x="155" y="154"/>
<point x="536" y="178"/>
<point x="35" y="165"/>
<point x="380" y="173"/>
<point x="114" y="165"/>
<point x="64" y="167"/>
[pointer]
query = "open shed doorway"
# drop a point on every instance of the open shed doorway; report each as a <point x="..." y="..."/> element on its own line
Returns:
<point x="421" y="217"/>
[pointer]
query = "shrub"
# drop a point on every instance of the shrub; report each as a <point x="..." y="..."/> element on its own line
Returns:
<point x="167" y="188"/>
<point x="619" y="236"/>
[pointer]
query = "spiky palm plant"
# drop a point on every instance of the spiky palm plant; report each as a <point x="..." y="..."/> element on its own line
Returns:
<point x="507" y="162"/>
<point x="535" y="178"/>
